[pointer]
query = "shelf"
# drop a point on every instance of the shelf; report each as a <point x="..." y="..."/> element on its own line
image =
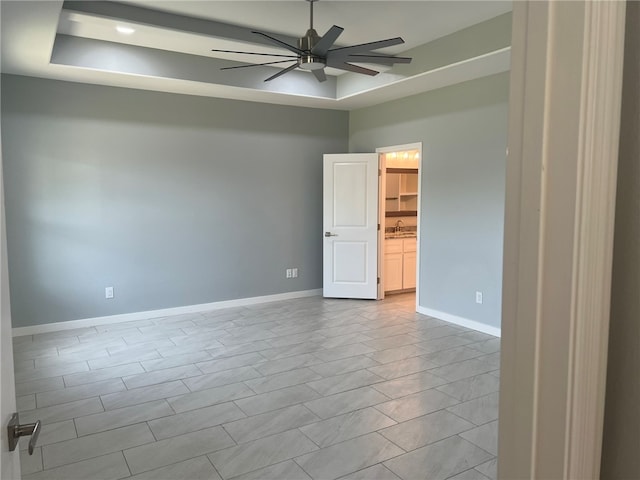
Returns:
<point x="402" y="213"/>
<point x="401" y="193"/>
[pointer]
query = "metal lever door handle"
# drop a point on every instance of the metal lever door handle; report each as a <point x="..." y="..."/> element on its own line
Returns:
<point x="329" y="234"/>
<point x="15" y="431"/>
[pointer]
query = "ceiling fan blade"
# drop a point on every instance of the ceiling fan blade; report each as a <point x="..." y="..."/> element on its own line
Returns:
<point x="246" y="65"/>
<point x="365" y="47"/>
<point x="254" y="53"/>
<point x="380" y="59"/>
<point x="282" y="44"/>
<point x="342" y="65"/>
<point x="282" y="72"/>
<point x="327" y="41"/>
<point x="320" y="75"/>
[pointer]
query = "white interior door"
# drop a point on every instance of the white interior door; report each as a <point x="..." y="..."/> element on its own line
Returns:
<point x="350" y="225"/>
<point x="9" y="461"/>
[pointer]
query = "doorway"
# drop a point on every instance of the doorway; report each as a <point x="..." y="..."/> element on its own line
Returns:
<point x="399" y="219"/>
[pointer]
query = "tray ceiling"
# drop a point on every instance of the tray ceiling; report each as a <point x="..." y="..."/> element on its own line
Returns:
<point x="166" y="46"/>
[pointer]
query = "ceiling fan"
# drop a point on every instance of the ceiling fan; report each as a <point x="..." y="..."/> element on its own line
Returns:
<point x="314" y="53"/>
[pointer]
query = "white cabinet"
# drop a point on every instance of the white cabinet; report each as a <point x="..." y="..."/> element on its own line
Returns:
<point x="401" y="190"/>
<point x="392" y="272"/>
<point x="409" y="270"/>
<point x="393" y="264"/>
<point x="399" y="264"/>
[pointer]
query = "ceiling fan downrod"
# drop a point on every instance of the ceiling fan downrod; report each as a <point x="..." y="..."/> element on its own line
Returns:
<point x="311" y="13"/>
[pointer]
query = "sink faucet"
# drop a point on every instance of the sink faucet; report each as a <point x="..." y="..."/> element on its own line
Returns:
<point x="399" y="225"/>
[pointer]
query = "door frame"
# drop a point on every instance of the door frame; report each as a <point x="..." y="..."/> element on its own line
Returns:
<point x="564" y="109"/>
<point x="382" y="188"/>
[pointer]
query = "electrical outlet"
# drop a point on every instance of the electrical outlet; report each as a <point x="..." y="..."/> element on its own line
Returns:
<point x="294" y="273"/>
<point x="108" y="292"/>
<point x="289" y="273"/>
<point x="478" y="297"/>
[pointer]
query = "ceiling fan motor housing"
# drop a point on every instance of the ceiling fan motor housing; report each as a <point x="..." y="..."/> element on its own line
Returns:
<point x="308" y="61"/>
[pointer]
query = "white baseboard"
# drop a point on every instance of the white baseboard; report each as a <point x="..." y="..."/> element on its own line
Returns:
<point x="165" y="312"/>
<point x="463" y="322"/>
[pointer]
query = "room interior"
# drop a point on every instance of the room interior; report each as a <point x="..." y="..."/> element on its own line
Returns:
<point x="245" y="173"/>
<point x="288" y="205"/>
<point x="132" y="162"/>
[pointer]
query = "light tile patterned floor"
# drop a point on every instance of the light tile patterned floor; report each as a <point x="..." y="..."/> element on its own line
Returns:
<point x="307" y="388"/>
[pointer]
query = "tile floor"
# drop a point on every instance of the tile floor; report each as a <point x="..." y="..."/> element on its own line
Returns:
<point x="307" y="388"/>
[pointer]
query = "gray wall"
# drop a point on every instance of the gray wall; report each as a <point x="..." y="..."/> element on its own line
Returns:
<point x="172" y="200"/>
<point x="464" y="133"/>
<point x="620" y="459"/>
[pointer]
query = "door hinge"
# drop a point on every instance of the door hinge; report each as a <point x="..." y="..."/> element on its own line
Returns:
<point x="379" y="172"/>
<point x="378" y="227"/>
<point x="378" y="280"/>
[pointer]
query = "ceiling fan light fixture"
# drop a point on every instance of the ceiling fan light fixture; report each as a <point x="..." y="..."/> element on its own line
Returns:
<point x="123" y="29"/>
<point x="309" y="62"/>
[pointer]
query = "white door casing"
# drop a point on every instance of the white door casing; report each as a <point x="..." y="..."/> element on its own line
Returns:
<point x="350" y="225"/>
<point x="566" y="79"/>
<point x="400" y="148"/>
<point x="382" y="220"/>
<point x="9" y="461"/>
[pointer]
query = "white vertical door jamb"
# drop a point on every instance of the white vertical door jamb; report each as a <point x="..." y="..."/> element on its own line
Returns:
<point x="382" y="219"/>
<point x="566" y="82"/>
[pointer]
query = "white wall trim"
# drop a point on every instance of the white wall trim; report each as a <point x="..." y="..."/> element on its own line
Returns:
<point x="463" y="322"/>
<point x="165" y="312"/>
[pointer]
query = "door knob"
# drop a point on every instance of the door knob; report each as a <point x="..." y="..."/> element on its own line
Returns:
<point x="15" y="431"/>
<point x="329" y="234"/>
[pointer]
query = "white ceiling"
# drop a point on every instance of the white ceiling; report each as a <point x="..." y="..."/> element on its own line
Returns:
<point x="171" y="52"/>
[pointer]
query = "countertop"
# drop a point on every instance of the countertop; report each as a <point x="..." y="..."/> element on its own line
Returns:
<point x="394" y="235"/>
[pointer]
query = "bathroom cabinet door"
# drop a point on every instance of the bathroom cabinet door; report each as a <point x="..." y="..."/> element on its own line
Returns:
<point x="409" y="270"/>
<point x="392" y="271"/>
